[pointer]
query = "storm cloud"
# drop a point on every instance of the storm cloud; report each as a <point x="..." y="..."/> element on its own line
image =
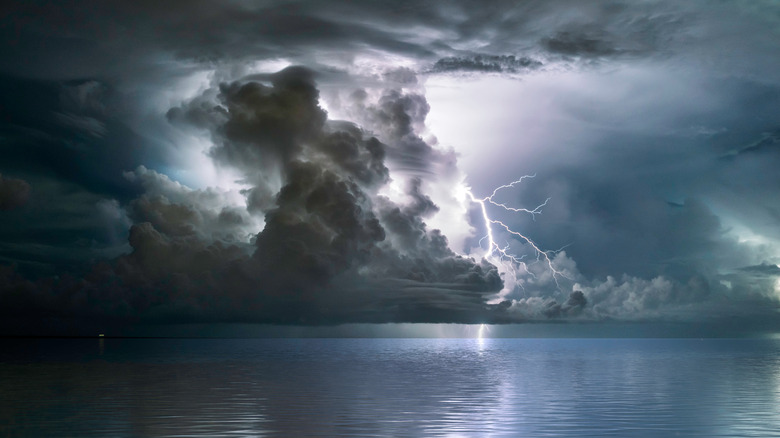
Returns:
<point x="289" y="163"/>
<point x="332" y="249"/>
<point x="486" y="64"/>
<point x="13" y="192"/>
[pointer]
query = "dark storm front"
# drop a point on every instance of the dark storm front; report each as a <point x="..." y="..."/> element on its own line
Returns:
<point x="389" y="387"/>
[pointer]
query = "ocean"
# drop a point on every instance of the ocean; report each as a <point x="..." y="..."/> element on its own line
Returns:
<point x="390" y="387"/>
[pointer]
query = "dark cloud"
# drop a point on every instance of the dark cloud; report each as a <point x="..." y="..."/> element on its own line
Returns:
<point x="171" y="219"/>
<point x="13" y="192"/>
<point x="768" y="143"/>
<point x="323" y="225"/>
<point x="398" y="117"/>
<point x="179" y="210"/>
<point x="93" y="34"/>
<point x="60" y="129"/>
<point x="362" y="159"/>
<point x="624" y="226"/>
<point x="83" y="107"/>
<point x="332" y="249"/>
<point x="304" y="32"/>
<point x="486" y="64"/>
<point x="402" y="76"/>
<point x="572" y="307"/>
<point x="765" y="269"/>
<point x="61" y="228"/>
<point x="655" y="136"/>
<point x="275" y="120"/>
<point x="88" y="125"/>
<point x="569" y="43"/>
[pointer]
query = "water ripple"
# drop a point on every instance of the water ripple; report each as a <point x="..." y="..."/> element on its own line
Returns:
<point x="390" y="387"/>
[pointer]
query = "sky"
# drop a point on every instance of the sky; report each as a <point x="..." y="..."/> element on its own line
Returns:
<point x="295" y="163"/>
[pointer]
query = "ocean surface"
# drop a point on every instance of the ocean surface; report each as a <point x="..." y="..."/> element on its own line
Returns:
<point x="390" y="387"/>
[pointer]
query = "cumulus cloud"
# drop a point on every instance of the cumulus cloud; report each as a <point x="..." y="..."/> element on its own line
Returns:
<point x="397" y="117"/>
<point x="211" y="214"/>
<point x="332" y="248"/>
<point x="335" y="247"/>
<point x="359" y="219"/>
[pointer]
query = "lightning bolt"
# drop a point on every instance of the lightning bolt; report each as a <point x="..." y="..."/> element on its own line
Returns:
<point x="501" y="255"/>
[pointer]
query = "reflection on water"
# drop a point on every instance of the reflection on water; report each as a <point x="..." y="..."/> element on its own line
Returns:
<point x="389" y="387"/>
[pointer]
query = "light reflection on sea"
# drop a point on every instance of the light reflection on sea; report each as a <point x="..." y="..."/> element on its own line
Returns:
<point x="390" y="387"/>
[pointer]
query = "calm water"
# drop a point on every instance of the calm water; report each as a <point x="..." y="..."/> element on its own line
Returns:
<point x="390" y="387"/>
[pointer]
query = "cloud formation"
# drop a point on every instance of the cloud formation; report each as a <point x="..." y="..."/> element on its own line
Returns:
<point x="486" y="64"/>
<point x="290" y="163"/>
<point x="332" y="249"/>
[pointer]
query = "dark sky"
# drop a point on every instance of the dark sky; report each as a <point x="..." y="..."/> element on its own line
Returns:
<point x="303" y="163"/>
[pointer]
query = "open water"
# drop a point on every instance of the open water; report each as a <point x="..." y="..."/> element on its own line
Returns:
<point x="390" y="387"/>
